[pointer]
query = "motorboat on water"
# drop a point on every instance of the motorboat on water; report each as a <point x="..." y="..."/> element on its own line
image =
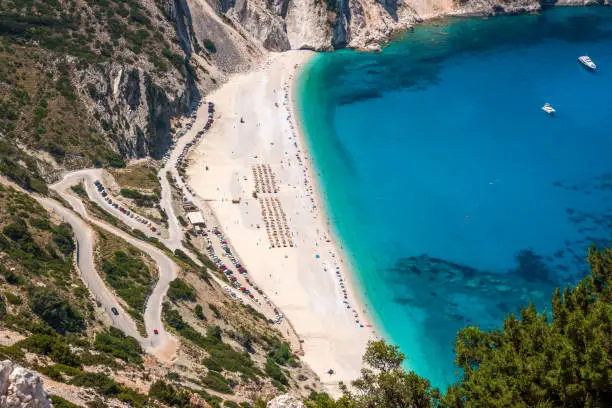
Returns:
<point x="587" y="62"/>
<point x="548" y="109"/>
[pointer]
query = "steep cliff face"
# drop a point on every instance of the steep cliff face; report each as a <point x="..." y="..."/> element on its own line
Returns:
<point x="94" y="83"/>
<point x="279" y="25"/>
<point x="115" y="72"/>
<point x="133" y="108"/>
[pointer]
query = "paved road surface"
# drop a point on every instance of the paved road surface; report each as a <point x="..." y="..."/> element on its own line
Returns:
<point x="85" y="260"/>
<point x="167" y="271"/>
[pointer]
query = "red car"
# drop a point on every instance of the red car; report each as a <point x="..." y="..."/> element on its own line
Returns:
<point x="155" y="331"/>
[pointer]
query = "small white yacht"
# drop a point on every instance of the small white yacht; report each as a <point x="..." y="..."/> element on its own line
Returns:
<point x="587" y="62"/>
<point x="548" y="109"/>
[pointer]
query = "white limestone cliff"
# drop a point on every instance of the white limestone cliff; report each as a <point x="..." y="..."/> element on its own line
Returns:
<point x="21" y="388"/>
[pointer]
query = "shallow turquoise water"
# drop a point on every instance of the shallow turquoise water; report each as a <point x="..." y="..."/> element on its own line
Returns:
<point x="455" y="197"/>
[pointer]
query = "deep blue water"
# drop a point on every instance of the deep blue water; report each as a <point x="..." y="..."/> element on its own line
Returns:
<point x="455" y="197"/>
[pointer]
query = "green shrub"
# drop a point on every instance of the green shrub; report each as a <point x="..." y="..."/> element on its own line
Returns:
<point x="59" y="402"/>
<point x="41" y="223"/>
<point x="209" y="45"/>
<point x="62" y="237"/>
<point x="215" y="310"/>
<point x="230" y="404"/>
<point x="180" y="254"/>
<point x="275" y="372"/>
<point x="216" y="382"/>
<point x="55" y="310"/>
<point x="50" y="345"/>
<point x="130" y="278"/>
<point x="228" y="358"/>
<point x="13" y="298"/>
<point x="79" y="190"/>
<point x="2" y="308"/>
<point x="114" y="342"/>
<point x="199" y="312"/>
<point x="51" y="372"/>
<point x="212" y="364"/>
<point x="12" y="353"/>
<point x="108" y="387"/>
<point x="169" y="395"/>
<point x="179" y="290"/>
<point x="281" y="353"/>
<point x="141" y="200"/>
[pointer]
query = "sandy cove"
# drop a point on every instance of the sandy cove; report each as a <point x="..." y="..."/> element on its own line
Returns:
<point x="254" y="125"/>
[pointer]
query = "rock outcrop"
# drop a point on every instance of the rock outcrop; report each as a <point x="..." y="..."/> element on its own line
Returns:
<point x="21" y="388"/>
<point x="279" y="25"/>
<point x="286" y="401"/>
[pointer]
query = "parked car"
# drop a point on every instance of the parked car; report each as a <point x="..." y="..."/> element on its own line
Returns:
<point x="155" y="331"/>
<point x="115" y="311"/>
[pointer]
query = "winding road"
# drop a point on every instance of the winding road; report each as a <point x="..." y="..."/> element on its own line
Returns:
<point x="167" y="269"/>
<point x="162" y="345"/>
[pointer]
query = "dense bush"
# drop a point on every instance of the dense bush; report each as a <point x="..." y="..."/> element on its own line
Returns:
<point x="199" y="312"/>
<point x="212" y="364"/>
<point x="223" y="354"/>
<point x="179" y="290"/>
<point x="2" y="308"/>
<point x="62" y="237"/>
<point x="141" y="200"/>
<point x="59" y="402"/>
<point x="275" y="372"/>
<point x="130" y="278"/>
<point x="55" y="310"/>
<point x="556" y="358"/>
<point x="108" y="387"/>
<point x="50" y="345"/>
<point x="116" y="343"/>
<point x="215" y="310"/>
<point x="209" y="45"/>
<point x="216" y="382"/>
<point x="79" y="190"/>
<point x="281" y="352"/>
<point x="169" y="395"/>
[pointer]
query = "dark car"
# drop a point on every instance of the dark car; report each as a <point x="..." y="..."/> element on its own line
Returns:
<point x="115" y="311"/>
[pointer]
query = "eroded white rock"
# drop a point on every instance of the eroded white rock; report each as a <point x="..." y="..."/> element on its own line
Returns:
<point x="21" y="388"/>
<point x="286" y="401"/>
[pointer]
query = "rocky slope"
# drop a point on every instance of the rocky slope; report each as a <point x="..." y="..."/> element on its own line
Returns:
<point x="21" y="388"/>
<point x="117" y="72"/>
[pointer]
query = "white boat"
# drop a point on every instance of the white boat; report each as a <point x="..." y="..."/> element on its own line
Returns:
<point x="548" y="109"/>
<point x="587" y="62"/>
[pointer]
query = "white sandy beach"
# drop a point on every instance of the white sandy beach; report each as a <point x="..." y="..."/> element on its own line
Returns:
<point x="305" y="287"/>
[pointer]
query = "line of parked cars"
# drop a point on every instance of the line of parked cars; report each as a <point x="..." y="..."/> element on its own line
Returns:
<point x="123" y="210"/>
<point x="241" y="270"/>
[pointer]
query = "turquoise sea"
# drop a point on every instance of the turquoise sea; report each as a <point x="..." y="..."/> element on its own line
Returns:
<point x="456" y="198"/>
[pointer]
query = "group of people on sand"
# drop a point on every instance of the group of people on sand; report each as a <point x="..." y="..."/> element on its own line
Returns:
<point x="302" y="160"/>
<point x="275" y="220"/>
<point x="265" y="180"/>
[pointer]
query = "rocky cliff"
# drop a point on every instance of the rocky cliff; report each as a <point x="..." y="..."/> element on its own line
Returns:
<point x="115" y="72"/>
<point x="21" y="388"/>
<point x="324" y="25"/>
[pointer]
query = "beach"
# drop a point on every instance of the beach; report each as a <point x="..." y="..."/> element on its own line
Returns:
<point x="253" y="174"/>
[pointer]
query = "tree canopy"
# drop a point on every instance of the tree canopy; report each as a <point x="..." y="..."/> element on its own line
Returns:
<point x="555" y="358"/>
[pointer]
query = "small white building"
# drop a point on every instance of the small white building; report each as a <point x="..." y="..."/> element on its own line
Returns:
<point x="195" y="218"/>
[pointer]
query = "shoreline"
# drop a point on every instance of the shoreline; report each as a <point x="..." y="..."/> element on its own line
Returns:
<point x="257" y="124"/>
<point x="330" y="230"/>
